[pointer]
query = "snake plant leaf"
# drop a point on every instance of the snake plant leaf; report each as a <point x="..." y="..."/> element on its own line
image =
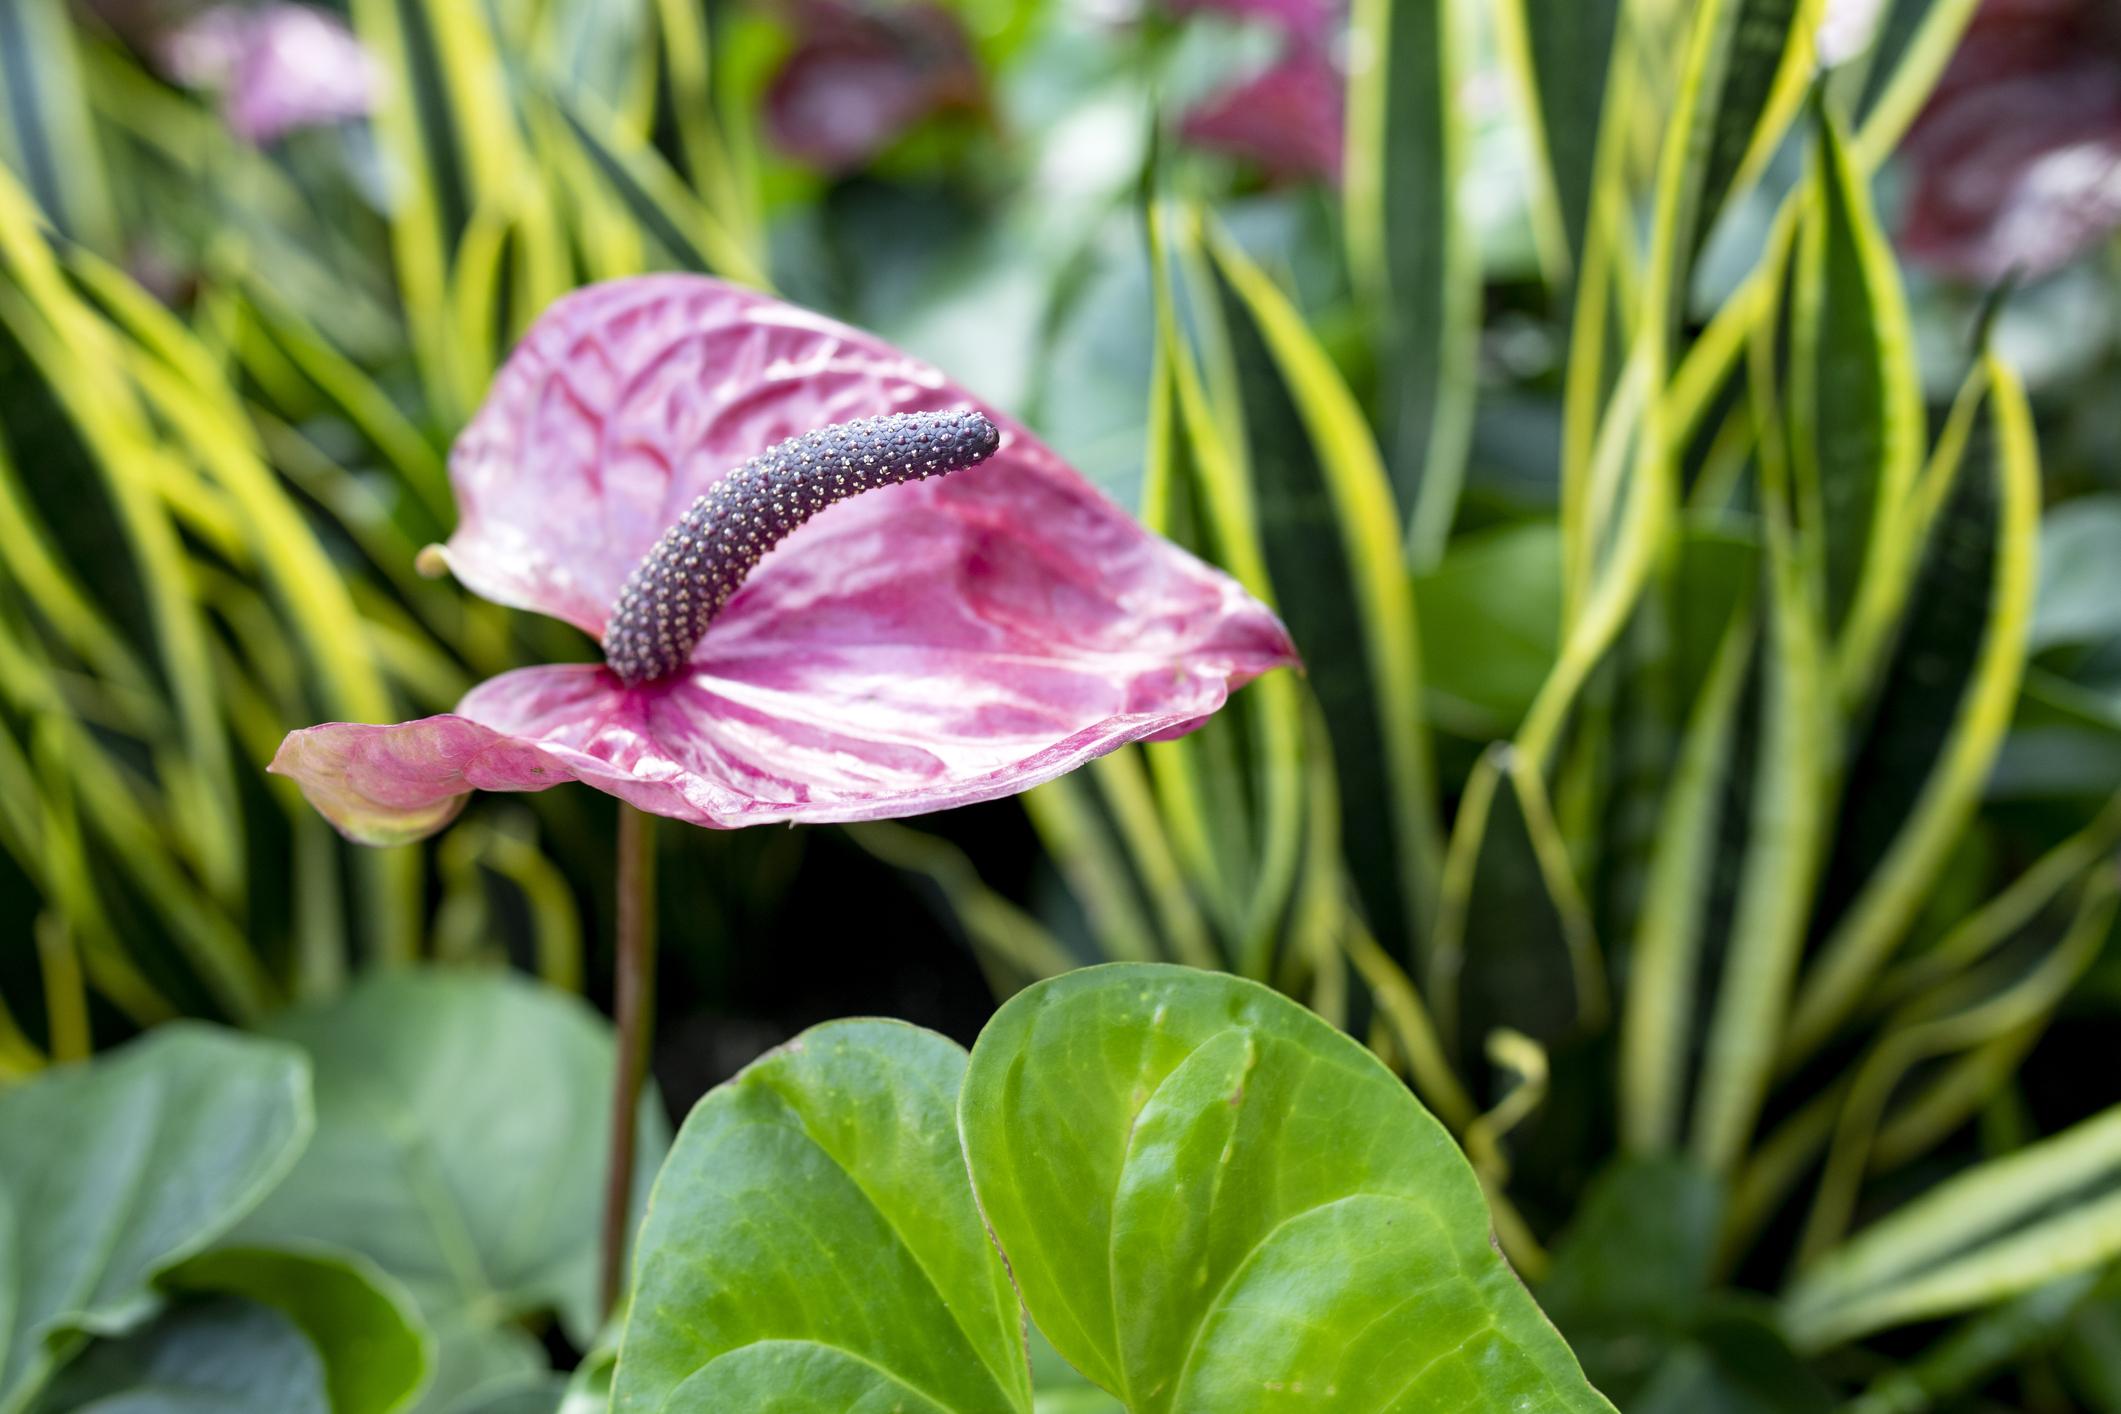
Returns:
<point x="1326" y="519"/>
<point x="450" y="1151"/>
<point x="1946" y="695"/>
<point x="1212" y="1200"/>
<point x="1993" y="1231"/>
<point x="813" y="1244"/>
<point x="46" y="132"/>
<point x="112" y="1173"/>
<point x="1855" y="387"/>
<point x="1411" y="250"/>
<point x="1563" y="57"/>
<point x="1746" y="66"/>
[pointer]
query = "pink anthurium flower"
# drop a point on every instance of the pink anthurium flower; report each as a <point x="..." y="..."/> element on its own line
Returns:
<point x="922" y="646"/>
<point x="2017" y="159"/>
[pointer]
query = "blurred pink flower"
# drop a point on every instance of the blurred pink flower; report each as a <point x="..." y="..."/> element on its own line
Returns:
<point x="911" y="649"/>
<point x="1289" y="120"/>
<point x="2017" y="159"/>
<point x="277" y="67"/>
<point x="862" y="76"/>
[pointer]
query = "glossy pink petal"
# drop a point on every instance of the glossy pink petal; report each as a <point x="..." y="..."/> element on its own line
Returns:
<point x="916" y="648"/>
<point x="2017" y="159"/>
<point x="1288" y="120"/>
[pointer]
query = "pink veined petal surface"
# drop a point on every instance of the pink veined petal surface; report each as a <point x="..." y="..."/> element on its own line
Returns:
<point x="913" y="649"/>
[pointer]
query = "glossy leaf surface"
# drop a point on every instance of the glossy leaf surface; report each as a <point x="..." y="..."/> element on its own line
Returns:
<point x="1211" y="1200"/>
<point x="813" y="1244"/>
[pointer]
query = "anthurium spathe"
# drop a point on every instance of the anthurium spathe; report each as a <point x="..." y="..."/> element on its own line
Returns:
<point x="921" y="646"/>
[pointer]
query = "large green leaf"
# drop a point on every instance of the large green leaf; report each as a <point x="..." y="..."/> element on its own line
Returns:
<point x="2080" y="574"/>
<point x="1632" y="1269"/>
<point x="112" y="1173"/>
<point x="460" y="1118"/>
<point x="1211" y="1200"/>
<point x="813" y="1244"/>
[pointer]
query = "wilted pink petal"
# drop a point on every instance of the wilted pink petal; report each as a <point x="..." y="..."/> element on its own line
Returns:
<point x="860" y="79"/>
<point x="915" y="648"/>
<point x="1288" y="119"/>
<point x="2017" y="159"/>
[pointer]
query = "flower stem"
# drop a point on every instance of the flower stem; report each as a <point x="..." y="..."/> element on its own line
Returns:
<point x="633" y="1002"/>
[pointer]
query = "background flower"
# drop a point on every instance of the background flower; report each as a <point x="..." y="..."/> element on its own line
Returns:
<point x="2017" y="159"/>
<point x="863" y="76"/>
<point x="1289" y="119"/>
<point x="278" y="68"/>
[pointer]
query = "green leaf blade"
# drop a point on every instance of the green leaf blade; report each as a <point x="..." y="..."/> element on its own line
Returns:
<point x="429" y="1161"/>
<point x="814" y="1233"/>
<point x="1213" y="1200"/>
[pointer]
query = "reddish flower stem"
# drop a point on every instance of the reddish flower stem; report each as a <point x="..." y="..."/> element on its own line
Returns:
<point x="633" y="1002"/>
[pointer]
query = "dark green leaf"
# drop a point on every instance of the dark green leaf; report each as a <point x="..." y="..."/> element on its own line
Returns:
<point x="364" y="1325"/>
<point x="1490" y="624"/>
<point x="221" y="1356"/>
<point x="460" y="1118"/>
<point x="1412" y="254"/>
<point x="1632" y="1269"/>
<point x="1569" y="47"/>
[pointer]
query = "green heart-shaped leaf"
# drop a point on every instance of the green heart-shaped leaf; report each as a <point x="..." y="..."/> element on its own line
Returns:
<point x="460" y="1146"/>
<point x="218" y="1356"/>
<point x="813" y="1245"/>
<point x="1212" y="1200"/>
<point x="111" y="1173"/>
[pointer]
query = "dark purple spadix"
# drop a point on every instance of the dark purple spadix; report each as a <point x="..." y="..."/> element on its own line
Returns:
<point x="685" y="580"/>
